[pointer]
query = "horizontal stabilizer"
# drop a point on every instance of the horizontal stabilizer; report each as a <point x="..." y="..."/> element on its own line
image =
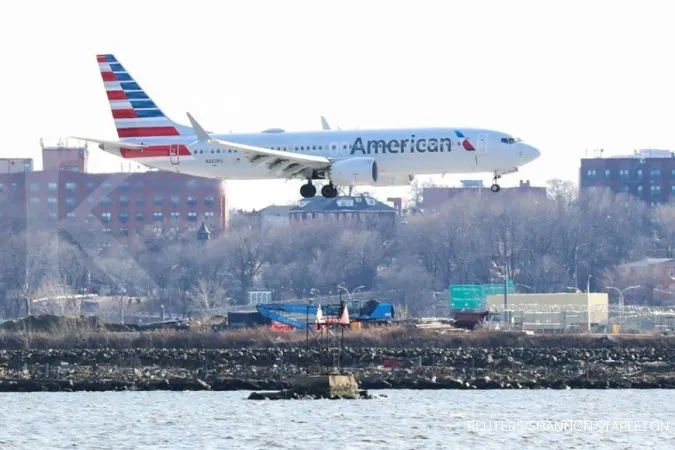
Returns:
<point x="113" y="144"/>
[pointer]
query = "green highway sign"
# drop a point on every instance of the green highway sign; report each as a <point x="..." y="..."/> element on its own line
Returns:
<point x="473" y="296"/>
<point x="494" y="289"/>
<point x="466" y="296"/>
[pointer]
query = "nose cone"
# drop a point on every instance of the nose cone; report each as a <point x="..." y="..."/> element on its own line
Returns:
<point x="529" y="153"/>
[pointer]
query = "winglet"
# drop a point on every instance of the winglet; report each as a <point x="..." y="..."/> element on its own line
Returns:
<point x="202" y="135"/>
<point x="324" y="123"/>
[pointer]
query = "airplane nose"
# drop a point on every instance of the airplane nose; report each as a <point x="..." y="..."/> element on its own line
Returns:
<point x="530" y="153"/>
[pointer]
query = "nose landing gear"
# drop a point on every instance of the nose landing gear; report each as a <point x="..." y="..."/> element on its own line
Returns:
<point x="495" y="187"/>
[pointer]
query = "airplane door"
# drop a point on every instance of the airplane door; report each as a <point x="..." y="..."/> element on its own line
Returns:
<point x="174" y="154"/>
<point x="482" y="144"/>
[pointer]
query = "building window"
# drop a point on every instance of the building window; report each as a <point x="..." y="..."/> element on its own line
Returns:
<point x="157" y="230"/>
<point x="14" y="186"/>
<point x="175" y="215"/>
<point x="608" y="174"/>
<point x="124" y="186"/>
<point x="208" y="200"/>
<point x="208" y="214"/>
<point x="34" y="200"/>
<point x="34" y="187"/>
<point x="70" y="186"/>
<point x="655" y="204"/>
<point x="139" y="216"/>
<point x="124" y="231"/>
<point x="157" y="216"/>
<point x="124" y="217"/>
<point x="124" y="200"/>
<point x="157" y="200"/>
<point x="654" y="174"/>
<point x="192" y="201"/>
<point x="105" y="217"/>
<point x="139" y="201"/>
<point x="52" y="186"/>
<point x="639" y="174"/>
<point x="175" y="200"/>
<point x="655" y="190"/>
<point x="191" y="184"/>
<point x="624" y="174"/>
<point x="52" y="200"/>
<point x="71" y="216"/>
<point x="192" y="216"/>
<point x="106" y="230"/>
<point x="106" y="200"/>
<point x="672" y="189"/>
<point x="639" y="189"/>
<point x="70" y="201"/>
<point x="52" y="216"/>
<point x="90" y="217"/>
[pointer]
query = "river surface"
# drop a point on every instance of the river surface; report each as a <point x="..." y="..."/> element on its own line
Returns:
<point x="547" y="419"/>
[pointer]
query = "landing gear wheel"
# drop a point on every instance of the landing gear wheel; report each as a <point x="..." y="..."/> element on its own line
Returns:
<point x="308" y="190"/>
<point x="329" y="191"/>
<point x="495" y="188"/>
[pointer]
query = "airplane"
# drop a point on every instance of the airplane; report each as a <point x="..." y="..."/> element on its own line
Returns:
<point x="376" y="157"/>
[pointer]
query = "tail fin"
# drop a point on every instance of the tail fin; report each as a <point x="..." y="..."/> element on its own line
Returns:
<point x="134" y="112"/>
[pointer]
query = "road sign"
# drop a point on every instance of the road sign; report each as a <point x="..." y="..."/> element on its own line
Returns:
<point x="495" y="289"/>
<point x="467" y="296"/>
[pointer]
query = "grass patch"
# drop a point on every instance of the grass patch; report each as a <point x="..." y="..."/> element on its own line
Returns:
<point x="72" y="333"/>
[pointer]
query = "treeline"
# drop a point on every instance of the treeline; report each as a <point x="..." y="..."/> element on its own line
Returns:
<point x="543" y="244"/>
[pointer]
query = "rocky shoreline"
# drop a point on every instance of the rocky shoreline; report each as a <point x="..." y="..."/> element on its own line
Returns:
<point x="274" y="368"/>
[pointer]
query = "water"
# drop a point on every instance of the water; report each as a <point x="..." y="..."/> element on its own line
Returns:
<point x="583" y="419"/>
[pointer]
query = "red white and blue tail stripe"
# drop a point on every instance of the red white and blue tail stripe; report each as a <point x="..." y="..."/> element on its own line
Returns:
<point x="135" y="114"/>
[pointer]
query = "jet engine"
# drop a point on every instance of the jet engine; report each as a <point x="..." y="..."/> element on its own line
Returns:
<point x="394" y="179"/>
<point x="354" y="172"/>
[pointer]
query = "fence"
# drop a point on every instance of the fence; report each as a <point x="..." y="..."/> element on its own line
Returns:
<point x="629" y="319"/>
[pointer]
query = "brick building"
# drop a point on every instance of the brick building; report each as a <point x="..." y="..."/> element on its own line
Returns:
<point x="116" y="204"/>
<point x="646" y="174"/>
<point x="435" y="197"/>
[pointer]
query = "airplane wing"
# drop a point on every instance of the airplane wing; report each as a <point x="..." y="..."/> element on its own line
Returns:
<point x="281" y="162"/>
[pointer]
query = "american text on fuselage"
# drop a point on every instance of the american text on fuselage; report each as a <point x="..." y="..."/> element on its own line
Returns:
<point x="362" y="147"/>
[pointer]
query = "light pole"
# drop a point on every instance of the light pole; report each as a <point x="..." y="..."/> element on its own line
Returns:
<point x="588" y="302"/>
<point x="621" y="292"/>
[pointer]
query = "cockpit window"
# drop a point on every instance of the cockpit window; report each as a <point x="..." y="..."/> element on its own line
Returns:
<point x="509" y="140"/>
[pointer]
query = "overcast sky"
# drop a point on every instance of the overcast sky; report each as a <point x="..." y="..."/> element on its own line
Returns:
<point x="563" y="76"/>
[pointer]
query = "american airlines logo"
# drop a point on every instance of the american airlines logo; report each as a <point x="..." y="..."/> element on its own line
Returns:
<point x="412" y="145"/>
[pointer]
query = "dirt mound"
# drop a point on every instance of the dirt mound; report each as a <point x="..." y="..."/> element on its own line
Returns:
<point x="48" y="323"/>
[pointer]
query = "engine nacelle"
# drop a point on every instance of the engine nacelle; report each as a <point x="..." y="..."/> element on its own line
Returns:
<point x="356" y="171"/>
<point x="394" y="179"/>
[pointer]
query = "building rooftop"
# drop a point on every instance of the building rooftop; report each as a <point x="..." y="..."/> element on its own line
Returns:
<point x="638" y="154"/>
<point x="645" y="262"/>
<point x="276" y="210"/>
<point x="342" y="203"/>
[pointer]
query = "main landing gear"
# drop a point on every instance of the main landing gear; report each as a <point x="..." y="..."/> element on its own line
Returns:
<point x="309" y="190"/>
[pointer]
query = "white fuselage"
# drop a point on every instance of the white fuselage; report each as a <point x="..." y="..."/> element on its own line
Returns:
<point x="398" y="152"/>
